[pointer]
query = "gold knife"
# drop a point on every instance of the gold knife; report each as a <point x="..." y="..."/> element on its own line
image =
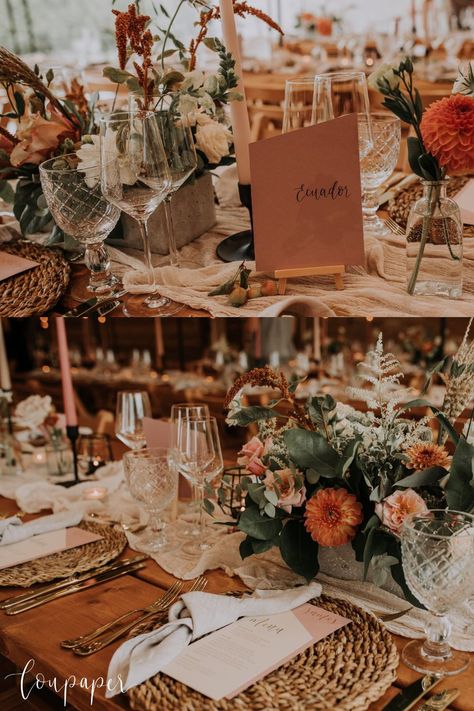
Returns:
<point x="440" y="701"/>
<point x="73" y="580"/>
<point x="97" y="580"/>
<point x="409" y="696"/>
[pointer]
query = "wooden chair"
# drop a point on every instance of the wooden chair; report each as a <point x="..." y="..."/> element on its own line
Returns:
<point x="266" y="109"/>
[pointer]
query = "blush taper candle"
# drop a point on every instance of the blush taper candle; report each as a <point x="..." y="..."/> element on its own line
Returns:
<point x="238" y="109"/>
<point x="66" y="377"/>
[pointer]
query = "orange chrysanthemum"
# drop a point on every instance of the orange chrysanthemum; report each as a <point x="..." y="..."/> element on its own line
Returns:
<point x="426" y="454"/>
<point x="332" y="517"/>
<point x="448" y="133"/>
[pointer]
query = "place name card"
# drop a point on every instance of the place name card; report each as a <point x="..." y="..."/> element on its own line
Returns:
<point x="228" y="661"/>
<point x="10" y="265"/>
<point x="157" y="432"/>
<point x="44" y="544"/>
<point x="306" y="198"/>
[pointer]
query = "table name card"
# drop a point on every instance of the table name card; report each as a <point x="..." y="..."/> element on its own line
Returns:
<point x="306" y="197"/>
<point x="228" y="661"/>
<point x="10" y="265"/>
<point x="44" y="544"/>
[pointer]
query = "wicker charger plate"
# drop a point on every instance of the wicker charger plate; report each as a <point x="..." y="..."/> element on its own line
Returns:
<point x="348" y="670"/>
<point x="400" y="206"/>
<point x="65" y="563"/>
<point x="34" y="292"/>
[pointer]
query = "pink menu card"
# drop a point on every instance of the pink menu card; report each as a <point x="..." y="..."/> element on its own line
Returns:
<point x="10" y="265"/>
<point x="44" y="544"/>
<point x="226" y="662"/>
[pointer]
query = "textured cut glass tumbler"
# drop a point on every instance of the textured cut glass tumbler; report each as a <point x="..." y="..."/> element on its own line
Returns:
<point x="437" y="555"/>
<point x="78" y="207"/>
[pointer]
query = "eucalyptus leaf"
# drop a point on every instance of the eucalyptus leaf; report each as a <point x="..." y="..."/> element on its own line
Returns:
<point x="259" y="526"/>
<point x="310" y="450"/>
<point x="459" y="488"/>
<point x="248" y="415"/>
<point x="427" y="477"/>
<point x="298" y="550"/>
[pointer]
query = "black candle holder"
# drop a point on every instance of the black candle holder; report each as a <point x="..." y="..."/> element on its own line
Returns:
<point x="239" y="247"/>
<point x="72" y="432"/>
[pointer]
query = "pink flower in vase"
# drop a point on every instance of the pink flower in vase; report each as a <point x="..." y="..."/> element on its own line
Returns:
<point x="250" y="457"/>
<point x="285" y="480"/>
<point x="396" y="508"/>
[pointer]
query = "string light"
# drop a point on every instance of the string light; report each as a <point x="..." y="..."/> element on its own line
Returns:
<point x="44" y="322"/>
<point x="46" y="369"/>
<point x="102" y="319"/>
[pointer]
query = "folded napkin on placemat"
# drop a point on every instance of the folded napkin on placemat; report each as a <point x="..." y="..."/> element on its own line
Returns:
<point x="12" y="530"/>
<point x="193" y="616"/>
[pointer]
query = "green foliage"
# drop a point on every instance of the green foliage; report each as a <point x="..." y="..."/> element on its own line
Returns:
<point x="298" y="550"/>
<point x="460" y="487"/>
<point x="259" y="526"/>
<point x="309" y="450"/>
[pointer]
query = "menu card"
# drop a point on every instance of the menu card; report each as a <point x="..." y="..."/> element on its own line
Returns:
<point x="306" y="198"/>
<point x="224" y="663"/>
<point x="465" y="200"/>
<point x="44" y="544"/>
<point x="157" y="432"/>
<point x="10" y="265"/>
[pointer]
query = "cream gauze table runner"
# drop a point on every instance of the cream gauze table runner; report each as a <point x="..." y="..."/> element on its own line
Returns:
<point x="377" y="289"/>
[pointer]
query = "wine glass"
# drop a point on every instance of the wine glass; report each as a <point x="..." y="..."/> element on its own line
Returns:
<point x="180" y="412"/>
<point x="75" y="200"/>
<point x="132" y="407"/>
<point x="377" y="166"/>
<point x="437" y="555"/>
<point x="135" y="177"/>
<point x="153" y="483"/>
<point x="178" y="142"/>
<point x="299" y="100"/>
<point x="198" y="456"/>
<point x="341" y="94"/>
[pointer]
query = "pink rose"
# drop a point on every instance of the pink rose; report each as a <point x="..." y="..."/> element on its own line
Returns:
<point x="250" y="457"/>
<point x="39" y="138"/>
<point x="396" y="508"/>
<point x="285" y="480"/>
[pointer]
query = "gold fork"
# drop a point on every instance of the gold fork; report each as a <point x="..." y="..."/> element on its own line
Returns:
<point x="394" y="227"/>
<point x="143" y="625"/>
<point x="96" y="645"/>
<point x="162" y="602"/>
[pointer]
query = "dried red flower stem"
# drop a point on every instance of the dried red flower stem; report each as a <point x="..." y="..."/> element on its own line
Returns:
<point x="242" y="9"/>
<point x="131" y="31"/>
<point x="9" y="136"/>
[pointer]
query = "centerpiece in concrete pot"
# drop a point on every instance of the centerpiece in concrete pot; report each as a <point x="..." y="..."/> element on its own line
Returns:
<point x="179" y="93"/>
<point x="331" y="486"/>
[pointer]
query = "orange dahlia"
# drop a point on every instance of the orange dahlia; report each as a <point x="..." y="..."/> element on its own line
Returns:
<point x="426" y="454"/>
<point x="332" y="517"/>
<point x="447" y="128"/>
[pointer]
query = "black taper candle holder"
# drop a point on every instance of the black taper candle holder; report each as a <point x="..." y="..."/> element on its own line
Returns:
<point x="239" y="247"/>
<point x="72" y="432"/>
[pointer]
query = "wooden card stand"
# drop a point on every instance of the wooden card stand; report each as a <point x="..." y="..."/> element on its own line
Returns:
<point x="284" y="274"/>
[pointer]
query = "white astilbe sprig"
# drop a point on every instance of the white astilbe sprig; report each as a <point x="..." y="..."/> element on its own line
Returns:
<point x="459" y="380"/>
<point x="382" y="373"/>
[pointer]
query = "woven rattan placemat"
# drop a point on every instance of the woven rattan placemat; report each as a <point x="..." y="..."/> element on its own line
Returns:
<point x="347" y="671"/>
<point x="65" y="563"/>
<point x="400" y="206"/>
<point x="34" y="292"/>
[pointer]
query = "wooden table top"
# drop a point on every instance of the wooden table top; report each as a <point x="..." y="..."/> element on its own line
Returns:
<point x="36" y="634"/>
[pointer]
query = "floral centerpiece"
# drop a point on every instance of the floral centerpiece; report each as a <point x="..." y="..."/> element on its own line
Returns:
<point x="323" y="475"/>
<point x="443" y="145"/>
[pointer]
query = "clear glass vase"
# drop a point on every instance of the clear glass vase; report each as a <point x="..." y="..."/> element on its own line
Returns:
<point x="435" y="244"/>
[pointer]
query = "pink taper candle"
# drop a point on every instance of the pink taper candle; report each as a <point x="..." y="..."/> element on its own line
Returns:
<point x="238" y="109"/>
<point x="66" y="378"/>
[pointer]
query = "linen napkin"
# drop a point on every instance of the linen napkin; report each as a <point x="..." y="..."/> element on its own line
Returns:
<point x="15" y="531"/>
<point x="193" y="616"/>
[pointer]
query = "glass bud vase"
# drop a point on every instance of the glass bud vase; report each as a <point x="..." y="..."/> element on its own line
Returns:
<point x="435" y="244"/>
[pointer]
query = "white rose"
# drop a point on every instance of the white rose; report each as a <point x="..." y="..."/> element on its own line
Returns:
<point x="32" y="412"/>
<point x="385" y="71"/>
<point x="464" y="84"/>
<point x="89" y="161"/>
<point x="212" y="138"/>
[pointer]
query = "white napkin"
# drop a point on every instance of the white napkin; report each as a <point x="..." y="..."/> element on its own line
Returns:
<point x="193" y="616"/>
<point x="16" y="531"/>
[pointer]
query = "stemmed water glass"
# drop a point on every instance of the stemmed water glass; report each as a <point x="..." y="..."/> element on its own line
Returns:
<point x="153" y="483"/>
<point x="135" y="177"/>
<point x="75" y="200"/>
<point x="437" y="555"/>
<point x="377" y="166"/>
<point x="131" y="408"/>
<point x="198" y="455"/>
<point x="299" y="100"/>
<point x="178" y="142"/>
<point x="180" y="412"/>
<point x="339" y="94"/>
